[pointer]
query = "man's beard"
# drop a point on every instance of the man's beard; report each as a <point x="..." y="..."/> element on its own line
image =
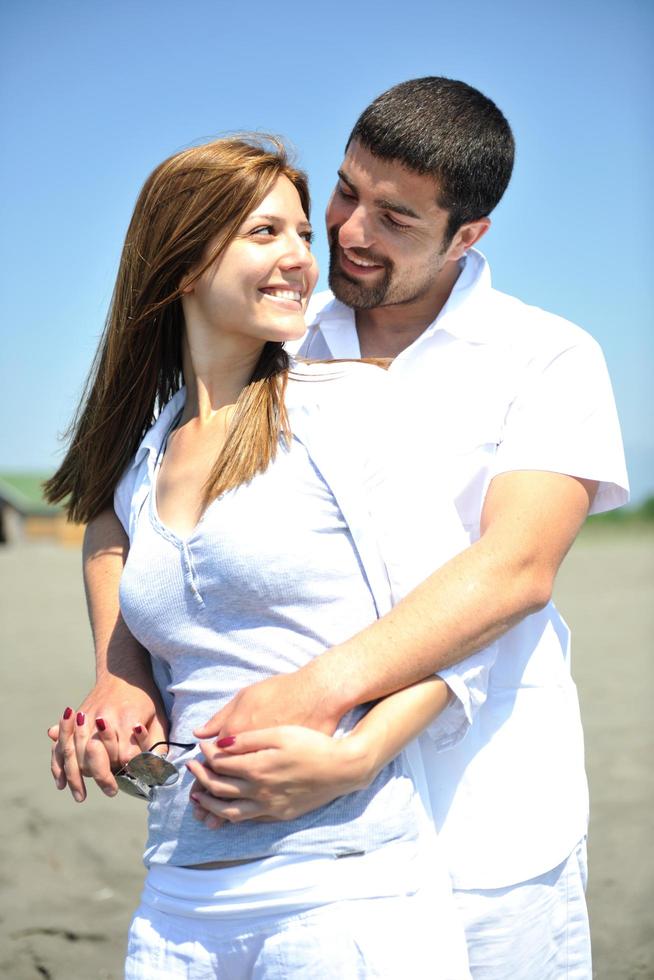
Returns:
<point x="387" y="291"/>
<point x="355" y="294"/>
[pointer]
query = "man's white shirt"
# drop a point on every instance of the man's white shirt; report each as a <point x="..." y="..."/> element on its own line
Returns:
<point x="494" y="386"/>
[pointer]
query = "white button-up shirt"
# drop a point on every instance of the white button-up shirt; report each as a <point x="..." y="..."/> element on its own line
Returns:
<point x="493" y="386"/>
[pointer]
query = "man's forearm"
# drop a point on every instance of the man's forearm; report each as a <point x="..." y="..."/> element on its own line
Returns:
<point x="460" y="609"/>
<point x="530" y="521"/>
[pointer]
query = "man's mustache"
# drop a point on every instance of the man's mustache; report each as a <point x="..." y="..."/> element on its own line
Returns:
<point x="361" y="253"/>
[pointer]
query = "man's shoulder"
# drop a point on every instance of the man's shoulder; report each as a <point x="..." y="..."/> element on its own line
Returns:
<point x="513" y="323"/>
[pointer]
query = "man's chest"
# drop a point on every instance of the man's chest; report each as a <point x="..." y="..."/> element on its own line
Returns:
<point x="453" y="403"/>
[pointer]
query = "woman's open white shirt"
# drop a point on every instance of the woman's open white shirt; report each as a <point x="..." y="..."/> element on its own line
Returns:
<point x="403" y="527"/>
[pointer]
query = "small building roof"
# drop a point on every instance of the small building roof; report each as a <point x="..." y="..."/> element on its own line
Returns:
<point x="24" y="492"/>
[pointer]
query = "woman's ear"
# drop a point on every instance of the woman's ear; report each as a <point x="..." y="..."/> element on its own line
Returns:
<point x="187" y="284"/>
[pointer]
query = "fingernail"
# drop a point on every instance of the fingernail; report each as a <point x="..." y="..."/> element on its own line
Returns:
<point x="224" y="743"/>
<point x="194" y="797"/>
<point x="137" y="729"/>
<point x="67" y="713"/>
<point x="101" y="725"/>
<point x="109" y="791"/>
<point x="80" y="717"/>
<point x="77" y="797"/>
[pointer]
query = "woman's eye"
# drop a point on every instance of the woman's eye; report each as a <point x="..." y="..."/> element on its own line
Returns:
<point x="307" y="236"/>
<point x="263" y="230"/>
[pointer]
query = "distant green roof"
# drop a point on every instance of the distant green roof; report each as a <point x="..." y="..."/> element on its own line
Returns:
<point x="24" y="492"/>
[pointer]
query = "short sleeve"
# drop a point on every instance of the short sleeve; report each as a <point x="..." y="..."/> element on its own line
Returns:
<point x="564" y="420"/>
<point x="123" y="496"/>
<point x="468" y="682"/>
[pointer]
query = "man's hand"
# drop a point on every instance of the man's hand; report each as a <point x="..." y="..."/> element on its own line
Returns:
<point x="99" y="737"/>
<point x="301" y="698"/>
<point x="275" y="774"/>
<point x="282" y="773"/>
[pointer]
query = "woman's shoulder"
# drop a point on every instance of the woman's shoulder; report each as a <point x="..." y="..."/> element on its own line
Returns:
<point x="328" y="378"/>
<point x="352" y="399"/>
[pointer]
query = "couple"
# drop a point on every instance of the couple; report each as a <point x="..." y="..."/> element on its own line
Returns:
<point x="277" y="509"/>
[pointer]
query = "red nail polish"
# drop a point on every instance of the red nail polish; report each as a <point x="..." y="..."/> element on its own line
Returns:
<point x="101" y="724"/>
<point x="224" y="743"/>
<point x="80" y="717"/>
<point x="67" y="713"/>
<point x="137" y="729"/>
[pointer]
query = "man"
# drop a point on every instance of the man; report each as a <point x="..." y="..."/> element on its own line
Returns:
<point x="514" y="408"/>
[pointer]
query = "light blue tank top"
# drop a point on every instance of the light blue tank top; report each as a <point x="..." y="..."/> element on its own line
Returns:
<point x="268" y="579"/>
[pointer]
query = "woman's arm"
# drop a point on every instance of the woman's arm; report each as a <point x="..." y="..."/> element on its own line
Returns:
<point x="281" y="773"/>
<point x="124" y="694"/>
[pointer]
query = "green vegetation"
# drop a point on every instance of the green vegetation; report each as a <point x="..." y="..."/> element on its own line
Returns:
<point x="625" y="516"/>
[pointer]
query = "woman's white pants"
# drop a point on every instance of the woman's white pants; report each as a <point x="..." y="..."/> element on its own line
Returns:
<point x="237" y="924"/>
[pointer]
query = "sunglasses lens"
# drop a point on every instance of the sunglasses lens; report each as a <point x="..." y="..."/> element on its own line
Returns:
<point x="133" y="787"/>
<point x="153" y="770"/>
<point x="145" y="772"/>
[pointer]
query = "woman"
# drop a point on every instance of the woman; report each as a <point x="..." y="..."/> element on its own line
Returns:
<point x="254" y="493"/>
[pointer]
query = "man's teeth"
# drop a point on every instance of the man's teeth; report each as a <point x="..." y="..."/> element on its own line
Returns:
<point x="284" y="294"/>
<point x="357" y="261"/>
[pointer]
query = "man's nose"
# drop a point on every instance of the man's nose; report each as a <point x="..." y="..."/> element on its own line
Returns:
<point x="355" y="232"/>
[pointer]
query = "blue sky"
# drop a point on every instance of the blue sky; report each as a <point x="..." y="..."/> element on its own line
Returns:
<point x="96" y="92"/>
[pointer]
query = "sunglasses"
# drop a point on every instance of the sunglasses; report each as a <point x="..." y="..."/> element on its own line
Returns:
<point x="148" y="771"/>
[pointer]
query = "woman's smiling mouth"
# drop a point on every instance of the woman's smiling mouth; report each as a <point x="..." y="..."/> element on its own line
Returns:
<point x="283" y="296"/>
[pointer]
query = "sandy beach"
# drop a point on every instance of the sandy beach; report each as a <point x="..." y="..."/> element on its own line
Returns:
<point x="71" y="874"/>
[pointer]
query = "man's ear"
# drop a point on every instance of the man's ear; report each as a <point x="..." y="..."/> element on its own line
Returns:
<point x="467" y="236"/>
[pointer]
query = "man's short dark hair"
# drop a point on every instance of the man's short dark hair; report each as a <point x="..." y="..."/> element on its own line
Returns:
<point x="446" y="129"/>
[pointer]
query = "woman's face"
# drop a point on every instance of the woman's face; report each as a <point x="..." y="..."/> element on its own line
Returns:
<point x="259" y="287"/>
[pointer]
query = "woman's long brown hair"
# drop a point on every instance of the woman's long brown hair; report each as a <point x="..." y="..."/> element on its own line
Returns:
<point x="200" y="194"/>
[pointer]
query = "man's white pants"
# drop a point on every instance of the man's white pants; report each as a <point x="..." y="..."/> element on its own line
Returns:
<point x="537" y="930"/>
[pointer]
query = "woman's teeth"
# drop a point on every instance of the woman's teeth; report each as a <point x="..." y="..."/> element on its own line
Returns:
<point x="285" y="294"/>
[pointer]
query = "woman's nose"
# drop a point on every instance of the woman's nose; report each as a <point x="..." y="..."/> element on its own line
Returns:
<point x="297" y="254"/>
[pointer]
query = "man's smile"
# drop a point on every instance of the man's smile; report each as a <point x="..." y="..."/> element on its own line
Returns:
<point x="353" y="264"/>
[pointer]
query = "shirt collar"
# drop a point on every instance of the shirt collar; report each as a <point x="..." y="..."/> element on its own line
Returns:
<point x="155" y="436"/>
<point x="460" y="317"/>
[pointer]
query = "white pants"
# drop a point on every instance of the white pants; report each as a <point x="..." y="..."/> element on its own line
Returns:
<point x="537" y="930"/>
<point x="298" y="919"/>
<point x="382" y="938"/>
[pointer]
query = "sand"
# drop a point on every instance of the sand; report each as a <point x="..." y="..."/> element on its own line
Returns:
<point x="71" y="874"/>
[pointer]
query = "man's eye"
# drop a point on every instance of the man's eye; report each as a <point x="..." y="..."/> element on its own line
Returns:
<point x="395" y="224"/>
<point x="345" y="191"/>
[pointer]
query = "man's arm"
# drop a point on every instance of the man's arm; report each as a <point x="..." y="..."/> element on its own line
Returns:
<point x="124" y="694"/>
<point x="530" y="519"/>
<point x="284" y="772"/>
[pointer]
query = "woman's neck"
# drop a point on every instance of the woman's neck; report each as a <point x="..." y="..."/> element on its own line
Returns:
<point x="215" y="373"/>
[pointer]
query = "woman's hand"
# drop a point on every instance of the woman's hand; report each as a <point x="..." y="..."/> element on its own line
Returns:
<point x="100" y="736"/>
<point x="276" y="774"/>
<point x="281" y="773"/>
